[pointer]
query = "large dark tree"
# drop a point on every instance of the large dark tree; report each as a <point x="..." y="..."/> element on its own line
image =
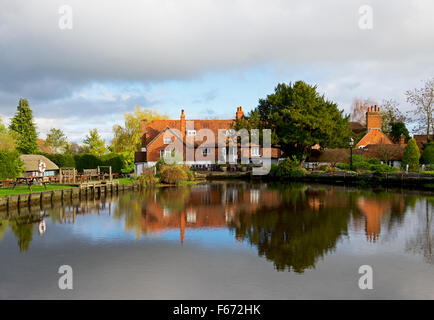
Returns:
<point x="24" y="129"/>
<point x="299" y="118"/>
<point x="398" y="129"/>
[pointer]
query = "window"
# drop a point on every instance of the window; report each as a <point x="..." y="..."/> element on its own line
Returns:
<point x="167" y="140"/>
<point x="255" y="151"/>
<point x="166" y="153"/>
<point x="206" y="151"/>
<point x="191" y="133"/>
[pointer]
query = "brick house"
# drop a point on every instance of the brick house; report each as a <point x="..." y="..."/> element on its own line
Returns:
<point x="187" y="135"/>
<point x="375" y="143"/>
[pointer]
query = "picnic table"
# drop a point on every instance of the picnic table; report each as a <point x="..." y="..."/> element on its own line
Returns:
<point x="29" y="181"/>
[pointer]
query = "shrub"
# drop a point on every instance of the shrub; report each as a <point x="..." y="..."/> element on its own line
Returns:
<point x="11" y="165"/>
<point x="190" y="174"/>
<point x="172" y="174"/>
<point x="288" y="168"/>
<point x="428" y="154"/>
<point x="411" y="156"/>
<point x="147" y="178"/>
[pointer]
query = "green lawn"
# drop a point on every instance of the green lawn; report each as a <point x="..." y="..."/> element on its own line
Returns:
<point x="25" y="189"/>
<point x="125" y="180"/>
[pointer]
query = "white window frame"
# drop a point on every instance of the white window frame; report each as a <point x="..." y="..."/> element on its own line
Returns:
<point x="191" y="133"/>
<point x="255" y="151"/>
<point x="167" y="140"/>
<point x="206" y="151"/>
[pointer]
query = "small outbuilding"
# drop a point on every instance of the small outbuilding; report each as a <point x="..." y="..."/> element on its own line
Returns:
<point x="38" y="165"/>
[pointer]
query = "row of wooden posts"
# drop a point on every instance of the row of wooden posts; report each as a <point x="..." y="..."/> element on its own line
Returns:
<point x="84" y="190"/>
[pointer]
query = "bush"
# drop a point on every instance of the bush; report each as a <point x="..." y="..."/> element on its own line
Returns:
<point x="11" y="165"/>
<point x="172" y="174"/>
<point x="428" y="154"/>
<point x="411" y="156"/>
<point x="147" y="178"/>
<point x="190" y="174"/>
<point x="287" y="168"/>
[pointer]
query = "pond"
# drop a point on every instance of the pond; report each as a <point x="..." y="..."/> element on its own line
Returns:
<point x="224" y="240"/>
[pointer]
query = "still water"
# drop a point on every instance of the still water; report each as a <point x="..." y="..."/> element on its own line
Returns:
<point x="228" y="240"/>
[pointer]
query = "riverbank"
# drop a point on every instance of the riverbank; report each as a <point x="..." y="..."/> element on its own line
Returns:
<point x="405" y="180"/>
<point x="20" y="197"/>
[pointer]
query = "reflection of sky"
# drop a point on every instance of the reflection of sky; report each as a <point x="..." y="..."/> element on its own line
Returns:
<point x="103" y="228"/>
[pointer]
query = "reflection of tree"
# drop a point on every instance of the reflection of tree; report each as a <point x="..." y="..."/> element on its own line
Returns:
<point x="424" y="240"/>
<point x="294" y="234"/>
<point x="24" y="233"/>
<point x="3" y="227"/>
<point x="129" y="207"/>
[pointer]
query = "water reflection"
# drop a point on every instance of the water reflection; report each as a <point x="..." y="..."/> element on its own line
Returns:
<point x="293" y="226"/>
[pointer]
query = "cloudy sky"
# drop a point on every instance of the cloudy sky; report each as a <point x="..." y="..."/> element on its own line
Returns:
<point x="205" y="56"/>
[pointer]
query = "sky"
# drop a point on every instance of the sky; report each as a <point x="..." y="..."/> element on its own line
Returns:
<point x="84" y="66"/>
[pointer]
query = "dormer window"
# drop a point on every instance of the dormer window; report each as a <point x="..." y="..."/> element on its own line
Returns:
<point x="167" y="140"/>
<point x="191" y="133"/>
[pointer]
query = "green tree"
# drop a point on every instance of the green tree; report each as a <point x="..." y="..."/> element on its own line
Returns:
<point x="95" y="143"/>
<point x="398" y="129"/>
<point x="299" y="118"/>
<point x="127" y="137"/>
<point x="428" y="153"/>
<point x="7" y="142"/>
<point x="56" y="139"/>
<point x="411" y="156"/>
<point x="11" y="165"/>
<point x="390" y="114"/>
<point x="24" y="129"/>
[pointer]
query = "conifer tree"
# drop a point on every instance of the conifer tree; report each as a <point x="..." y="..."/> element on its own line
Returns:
<point x="24" y="129"/>
<point x="411" y="156"/>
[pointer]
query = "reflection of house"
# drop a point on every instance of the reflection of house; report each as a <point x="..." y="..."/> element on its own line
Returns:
<point x="203" y="208"/>
<point x="31" y="164"/>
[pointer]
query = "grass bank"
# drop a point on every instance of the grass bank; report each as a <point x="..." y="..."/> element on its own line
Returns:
<point x="8" y="191"/>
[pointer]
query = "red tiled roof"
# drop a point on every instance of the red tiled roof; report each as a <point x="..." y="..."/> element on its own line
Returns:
<point x="383" y="151"/>
<point x="156" y="126"/>
<point x="374" y="136"/>
<point x="422" y="139"/>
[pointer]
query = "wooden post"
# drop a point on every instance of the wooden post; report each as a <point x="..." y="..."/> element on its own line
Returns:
<point x="60" y="176"/>
<point x="110" y="173"/>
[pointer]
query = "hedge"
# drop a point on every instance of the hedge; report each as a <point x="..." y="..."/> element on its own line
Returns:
<point x="120" y="162"/>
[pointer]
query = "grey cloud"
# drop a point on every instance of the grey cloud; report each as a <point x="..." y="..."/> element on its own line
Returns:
<point x="157" y="40"/>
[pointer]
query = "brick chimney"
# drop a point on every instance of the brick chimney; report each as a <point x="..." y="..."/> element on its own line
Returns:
<point x="239" y="113"/>
<point x="373" y="118"/>
<point x="182" y="125"/>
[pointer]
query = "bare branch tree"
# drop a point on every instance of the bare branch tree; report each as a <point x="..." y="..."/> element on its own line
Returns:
<point x="358" y="109"/>
<point x="390" y="114"/>
<point x="423" y="99"/>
